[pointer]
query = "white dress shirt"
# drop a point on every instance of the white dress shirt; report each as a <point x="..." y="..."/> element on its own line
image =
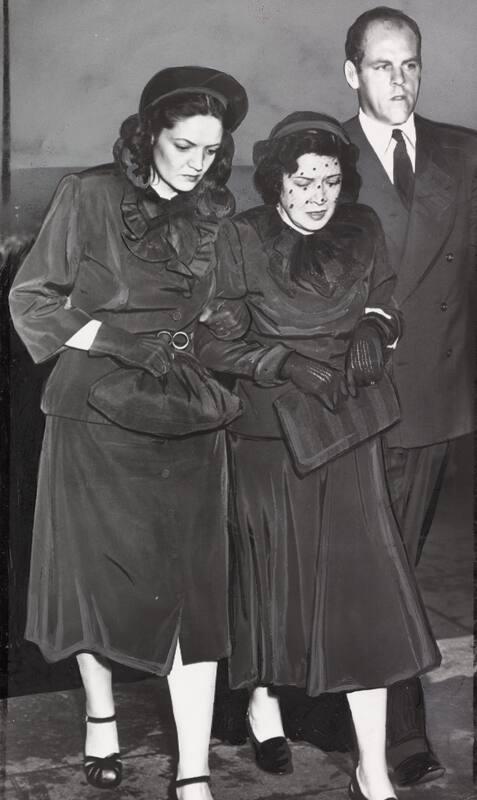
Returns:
<point x="379" y="135"/>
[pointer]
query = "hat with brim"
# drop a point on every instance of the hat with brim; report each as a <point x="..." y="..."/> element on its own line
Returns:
<point x="299" y="122"/>
<point x="197" y="80"/>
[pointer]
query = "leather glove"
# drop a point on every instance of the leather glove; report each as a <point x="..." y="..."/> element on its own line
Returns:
<point x="316" y="378"/>
<point x="366" y="357"/>
<point x="150" y="353"/>
<point x="227" y="319"/>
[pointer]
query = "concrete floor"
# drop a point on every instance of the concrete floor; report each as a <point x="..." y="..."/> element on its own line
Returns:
<point x="43" y="732"/>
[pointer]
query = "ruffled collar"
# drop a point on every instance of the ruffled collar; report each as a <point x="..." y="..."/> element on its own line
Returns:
<point x="326" y="261"/>
<point x="168" y="232"/>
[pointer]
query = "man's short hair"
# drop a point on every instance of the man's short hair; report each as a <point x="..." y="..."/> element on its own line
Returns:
<point x="355" y="37"/>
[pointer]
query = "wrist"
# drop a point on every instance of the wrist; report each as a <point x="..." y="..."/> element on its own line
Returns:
<point x="111" y="340"/>
<point x="389" y="330"/>
<point x="269" y="370"/>
<point x="286" y="366"/>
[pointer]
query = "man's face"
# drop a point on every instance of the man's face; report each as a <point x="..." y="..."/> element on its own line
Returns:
<point x="389" y="75"/>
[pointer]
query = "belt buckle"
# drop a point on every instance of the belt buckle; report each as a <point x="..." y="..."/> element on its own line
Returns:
<point x="179" y="340"/>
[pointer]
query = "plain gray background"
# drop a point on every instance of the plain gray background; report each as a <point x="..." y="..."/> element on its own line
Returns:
<point x="78" y="66"/>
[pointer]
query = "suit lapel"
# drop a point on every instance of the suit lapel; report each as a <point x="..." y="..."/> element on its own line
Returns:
<point x="414" y="240"/>
<point x="378" y="192"/>
<point x="432" y="212"/>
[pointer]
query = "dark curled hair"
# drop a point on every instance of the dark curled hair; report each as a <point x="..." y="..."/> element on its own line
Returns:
<point x="355" y="37"/>
<point x="282" y="159"/>
<point x="133" y="150"/>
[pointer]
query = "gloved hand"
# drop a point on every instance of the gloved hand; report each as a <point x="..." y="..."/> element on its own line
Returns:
<point x="227" y="319"/>
<point x="366" y="357"/>
<point x="316" y="378"/>
<point x="150" y="353"/>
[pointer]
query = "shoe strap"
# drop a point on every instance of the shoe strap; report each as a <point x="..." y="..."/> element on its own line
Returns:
<point x="114" y="759"/>
<point x="100" y="719"/>
<point x="187" y="781"/>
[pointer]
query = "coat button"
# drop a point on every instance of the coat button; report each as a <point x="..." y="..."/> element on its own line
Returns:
<point x="450" y="257"/>
<point x="165" y="473"/>
<point x="449" y="352"/>
<point x="176" y="315"/>
<point x="444" y="306"/>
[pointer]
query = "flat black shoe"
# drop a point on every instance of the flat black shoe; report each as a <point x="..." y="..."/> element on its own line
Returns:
<point x="418" y="768"/>
<point x="355" y="792"/>
<point x="271" y="755"/>
<point x="107" y="772"/>
<point x="185" y="782"/>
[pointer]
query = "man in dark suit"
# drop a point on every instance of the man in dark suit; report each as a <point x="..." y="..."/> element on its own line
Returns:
<point x="420" y="177"/>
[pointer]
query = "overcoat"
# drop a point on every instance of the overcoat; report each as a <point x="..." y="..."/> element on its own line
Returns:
<point x="107" y="251"/>
<point x="433" y="253"/>
<point x="323" y="596"/>
<point x="129" y="546"/>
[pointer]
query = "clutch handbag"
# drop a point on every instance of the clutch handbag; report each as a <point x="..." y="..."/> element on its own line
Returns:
<point x="315" y="435"/>
<point x="188" y="399"/>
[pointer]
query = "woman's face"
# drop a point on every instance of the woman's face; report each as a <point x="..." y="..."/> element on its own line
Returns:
<point x="309" y="196"/>
<point x="184" y="153"/>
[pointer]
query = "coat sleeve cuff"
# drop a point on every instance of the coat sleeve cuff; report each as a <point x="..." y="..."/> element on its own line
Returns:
<point x="389" y="323"/>
<point x="267" y="370"/>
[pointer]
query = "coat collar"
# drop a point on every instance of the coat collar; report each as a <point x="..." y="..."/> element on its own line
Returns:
<point x="331" y="254"/>
<point x="380" y="135"/>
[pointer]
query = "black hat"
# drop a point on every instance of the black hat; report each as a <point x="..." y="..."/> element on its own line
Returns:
<point x="199" y="80"/>
<point x="297" y="122"/>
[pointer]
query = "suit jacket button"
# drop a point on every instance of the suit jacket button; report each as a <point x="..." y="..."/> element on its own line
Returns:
<point x="176" y="315"/>
<point x="449" y="352"/>
<point x="450" y="257"/>
<point x="165" y="473"/>
<point x="444" y="306"/>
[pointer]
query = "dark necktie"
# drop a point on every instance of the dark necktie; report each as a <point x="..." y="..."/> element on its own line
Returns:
<point x="403" y="172"/>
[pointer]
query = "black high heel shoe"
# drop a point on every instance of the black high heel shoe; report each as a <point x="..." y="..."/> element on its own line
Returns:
<point x="355" y="792"/>
<point x="98" y="770"/>
<point x="271" y="755"/>
<point x="185" y="782"/>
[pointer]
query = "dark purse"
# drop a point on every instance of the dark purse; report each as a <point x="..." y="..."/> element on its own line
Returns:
<point x="188" y="399"/>
<point x="315" y="435"/>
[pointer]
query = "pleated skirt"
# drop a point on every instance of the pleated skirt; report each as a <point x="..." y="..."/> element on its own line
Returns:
<point x="323" y="596"/>
<point x="129" y="546"/>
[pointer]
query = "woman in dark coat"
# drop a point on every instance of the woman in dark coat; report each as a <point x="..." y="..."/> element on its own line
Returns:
<point x="129" y="557"/>
<point x="323" y="596"/>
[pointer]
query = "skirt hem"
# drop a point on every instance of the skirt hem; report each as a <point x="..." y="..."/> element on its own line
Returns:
<point x="343" y="687"/>
<point x="52" y="656"/>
